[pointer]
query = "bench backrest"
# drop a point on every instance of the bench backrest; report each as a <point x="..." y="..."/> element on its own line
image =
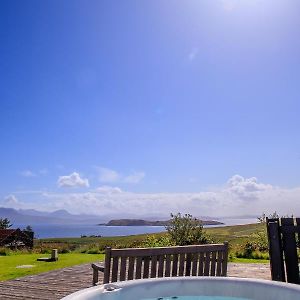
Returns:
<point x="283" y="236"/>
<point x="136" y="263"/>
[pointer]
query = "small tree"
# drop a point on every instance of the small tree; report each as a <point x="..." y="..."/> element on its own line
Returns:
<point x="28" y="228"/>
<point x="5" y="223"/>
<point x="186" y="230"/>
<point x="29" y="231"/>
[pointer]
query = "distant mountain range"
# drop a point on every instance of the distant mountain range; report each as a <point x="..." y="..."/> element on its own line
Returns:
<point x="32" y="217"/>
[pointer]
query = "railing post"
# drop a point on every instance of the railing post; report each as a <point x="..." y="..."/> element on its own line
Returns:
<point x="275" y="250"/>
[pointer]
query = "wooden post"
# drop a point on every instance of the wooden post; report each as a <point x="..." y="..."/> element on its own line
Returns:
<point x="275" y="250"/>
<point x="107" y="265"/>
<point x="54" y="255"/>
<point x="225" y="259"/>
<point x="290" y="250"/>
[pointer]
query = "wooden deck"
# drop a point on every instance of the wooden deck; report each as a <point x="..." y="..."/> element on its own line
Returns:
<point x="56" y="284"/>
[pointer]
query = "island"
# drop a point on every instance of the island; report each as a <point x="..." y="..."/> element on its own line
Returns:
<point x="138" y="222"/>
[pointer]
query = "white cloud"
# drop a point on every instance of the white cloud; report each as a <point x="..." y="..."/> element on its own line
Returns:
<point x="193" y="54"/>
<point x="246" y="187"/>
<point x="27" y="173"/>
<point x="135" y="177"/>
<point x="108" y="175"/>
<point x="11" y="201"/>
<point x="108" y="189"/>
<point x="72" y="180"/>
<point x="111" y="176"/>
<point x="239" y="196"/>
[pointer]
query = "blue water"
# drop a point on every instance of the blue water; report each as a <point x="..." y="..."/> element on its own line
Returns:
<point x="196" y="298"/>
<point x="76" y="230"/>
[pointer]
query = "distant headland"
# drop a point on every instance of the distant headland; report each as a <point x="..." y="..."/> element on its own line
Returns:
<point x="139" y="222"/>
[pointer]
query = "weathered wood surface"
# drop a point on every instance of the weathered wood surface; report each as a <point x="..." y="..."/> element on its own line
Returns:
<point x="136" y="263"/>
<point x="56" y="284"/>
<point x="283" y="236"/>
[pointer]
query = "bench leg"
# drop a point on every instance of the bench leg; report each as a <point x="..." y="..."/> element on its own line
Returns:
<point x="95" y="276"/>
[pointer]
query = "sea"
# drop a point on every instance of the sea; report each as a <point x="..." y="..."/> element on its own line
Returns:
<point x="78" y="230"/>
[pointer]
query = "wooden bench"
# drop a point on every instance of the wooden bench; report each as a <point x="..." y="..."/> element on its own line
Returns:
<point x="137" y="263"/>
<point x="283" y="237"/>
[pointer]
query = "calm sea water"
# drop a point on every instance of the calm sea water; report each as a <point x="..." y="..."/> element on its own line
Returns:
<point x="76" y="230"/>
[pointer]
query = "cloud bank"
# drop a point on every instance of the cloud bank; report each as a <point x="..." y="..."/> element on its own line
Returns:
<point x="238" y="196"/>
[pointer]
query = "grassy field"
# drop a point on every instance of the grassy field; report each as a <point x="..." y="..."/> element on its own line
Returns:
<point x="235" y="235"/>
<point x="9" y="264"/>
<point x="82" y="249"/>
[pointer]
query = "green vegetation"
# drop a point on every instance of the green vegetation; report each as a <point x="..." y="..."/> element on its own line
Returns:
<point x="5" y="223"/>
<point x="238" y="236"/>
<point x="9" y="264"/>
<point x="248" y="244"/>
<point x="186" y="230"/>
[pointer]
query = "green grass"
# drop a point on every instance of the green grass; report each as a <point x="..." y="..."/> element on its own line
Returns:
<point x="9" y="263"/>
<point x="235" y="235"/>
<point x="249" y="261"/>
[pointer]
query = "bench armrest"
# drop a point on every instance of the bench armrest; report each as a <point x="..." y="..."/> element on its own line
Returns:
<point x="96" y="269"/>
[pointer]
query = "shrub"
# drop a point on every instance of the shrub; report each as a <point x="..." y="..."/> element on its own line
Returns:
<point x="153" y="241"/>
<point x="186" y="230"/>
<point x="4" y="251"/>
<point x="64" y="250"/>
<point x="93" y="251"/>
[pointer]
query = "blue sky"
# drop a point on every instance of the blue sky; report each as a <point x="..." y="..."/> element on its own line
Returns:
<point x="148" y="97"/>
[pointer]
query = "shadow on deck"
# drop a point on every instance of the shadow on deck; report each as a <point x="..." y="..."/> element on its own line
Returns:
<point x="56" y="284"/>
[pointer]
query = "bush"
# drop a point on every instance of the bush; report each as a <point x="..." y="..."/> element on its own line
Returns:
<point x="4" y="251"/>
<point x="186" y="230"/>
<point x="93" y="251"/>
<point x="64" y="250"/>
<point x="153" y="241"/>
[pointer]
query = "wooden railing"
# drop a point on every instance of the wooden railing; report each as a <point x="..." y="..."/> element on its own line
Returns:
<point x="283" y="236"/>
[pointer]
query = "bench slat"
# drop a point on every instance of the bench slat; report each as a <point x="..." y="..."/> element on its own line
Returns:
<point x="166" y="250"/>
<point x="115" y="269"/>
<point x="219" y="263"/>
<point x="181" y="264"/>
<point x="168" y="266"/>
<point x="194" y="264"/>
<point x="161" y="262"/>
<point x="131" y="268"/>
<point x="123" y="268"/>
<point x="175" y="265"/>
<point x="213" y="264"/>
<point x="207" y="263"/>
<point x="188" y="264"/>
<point x="201" y="264"/>
<point x="153" y="266"/>
<point x="138" y="268"/>
<point x="146" y="267"/>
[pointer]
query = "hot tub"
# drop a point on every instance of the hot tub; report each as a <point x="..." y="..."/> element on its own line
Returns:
<point x="191" y="288"/>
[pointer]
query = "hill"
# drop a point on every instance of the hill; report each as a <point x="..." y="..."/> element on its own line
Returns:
<point x="140" y="222"/>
